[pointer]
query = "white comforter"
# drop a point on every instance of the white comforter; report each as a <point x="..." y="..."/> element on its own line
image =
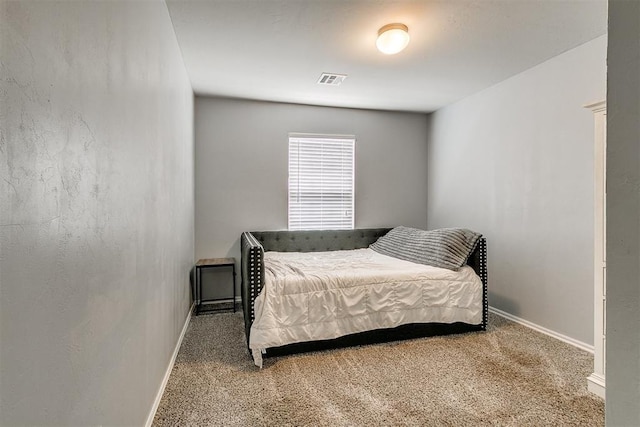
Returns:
<point x="324" y="295"/>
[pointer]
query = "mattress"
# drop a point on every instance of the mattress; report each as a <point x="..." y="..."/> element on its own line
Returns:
<point x="324" y="295"/>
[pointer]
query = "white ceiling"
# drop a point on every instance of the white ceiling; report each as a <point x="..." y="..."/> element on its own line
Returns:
<point x="275" y="50"/>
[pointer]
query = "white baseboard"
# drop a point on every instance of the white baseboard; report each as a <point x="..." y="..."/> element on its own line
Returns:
<point x="167" y="374"/>
<point x="553" y="334"/>
<point x="596" y="384"/>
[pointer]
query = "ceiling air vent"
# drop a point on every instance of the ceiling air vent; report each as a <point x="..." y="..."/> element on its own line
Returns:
<point x="331" y="79"/>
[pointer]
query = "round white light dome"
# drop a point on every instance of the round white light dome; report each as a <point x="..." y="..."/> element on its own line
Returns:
<point x="392" y="38"/>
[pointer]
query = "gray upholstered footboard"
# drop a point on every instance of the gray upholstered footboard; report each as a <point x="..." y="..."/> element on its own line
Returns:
<point x="254" y="244"/>
<point x="252" y="273"/>
<point x="478" y="261"/>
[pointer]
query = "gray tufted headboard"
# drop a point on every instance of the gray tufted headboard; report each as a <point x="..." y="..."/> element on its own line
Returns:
<point x="318" y="240"/>
<point x="254" y="244"/>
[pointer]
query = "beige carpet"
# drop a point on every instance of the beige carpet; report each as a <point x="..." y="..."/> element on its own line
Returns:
<point x="509" y="375"/>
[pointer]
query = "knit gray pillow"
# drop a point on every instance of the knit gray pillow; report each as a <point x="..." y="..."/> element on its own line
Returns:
<point x="448" y="248"/>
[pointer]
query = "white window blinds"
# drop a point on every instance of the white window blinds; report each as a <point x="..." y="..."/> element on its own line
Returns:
<point x="321" y="182"/>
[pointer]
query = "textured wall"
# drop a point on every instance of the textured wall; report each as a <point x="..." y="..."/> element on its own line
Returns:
<point x="242" y="167"/>
<point x="623" y="215"/>
<point x="96" y="209"/>
<point x="515" y="162"/>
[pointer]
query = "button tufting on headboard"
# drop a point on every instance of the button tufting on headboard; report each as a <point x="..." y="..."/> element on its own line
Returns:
<point x="309" y="240"/>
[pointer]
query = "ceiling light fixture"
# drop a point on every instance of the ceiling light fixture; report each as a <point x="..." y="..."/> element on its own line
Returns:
<point x="392" y="38"/>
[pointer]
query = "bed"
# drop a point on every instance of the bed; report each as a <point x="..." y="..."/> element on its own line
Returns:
<point x="328" y="289"/>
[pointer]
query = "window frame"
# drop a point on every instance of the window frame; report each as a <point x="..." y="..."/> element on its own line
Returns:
<point x="293" y="223"/>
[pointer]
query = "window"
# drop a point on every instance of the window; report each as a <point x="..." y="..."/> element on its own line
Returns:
<point x="321" y="182"/>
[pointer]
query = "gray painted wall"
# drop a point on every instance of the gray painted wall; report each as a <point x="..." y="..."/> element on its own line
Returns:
<point x="515" y="162"/>
<point x="96" y="209"/>
<point x="241" y="167"/>
<point x="623" y="215"/>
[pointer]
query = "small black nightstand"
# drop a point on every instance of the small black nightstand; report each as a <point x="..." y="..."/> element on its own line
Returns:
<point x="213" y="263"/>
